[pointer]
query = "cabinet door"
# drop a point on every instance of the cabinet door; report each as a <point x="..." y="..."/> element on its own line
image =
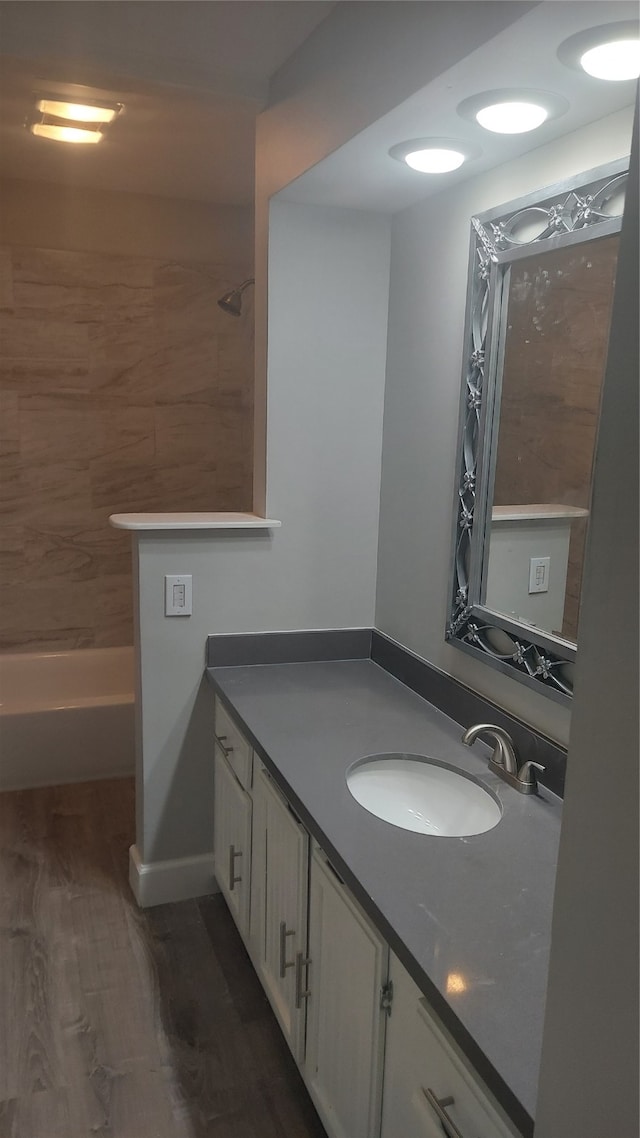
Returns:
<point x="279" y="931"/>
<point x="424" y="1072"/>
<point x="345" y="1023"/>
<point x="232" y="841"/>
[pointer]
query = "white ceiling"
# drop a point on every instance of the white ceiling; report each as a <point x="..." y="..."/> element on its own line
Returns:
<point x="361" y="174"/>
<point x="192" y="75"/>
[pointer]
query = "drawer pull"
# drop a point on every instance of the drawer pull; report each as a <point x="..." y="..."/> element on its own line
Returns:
<point x="233" y="854"/>
<point x="439" y="1105"/>
<point x="221" y="740"/>
<point x="301" y="963"/>
<point x="284" y="963"/>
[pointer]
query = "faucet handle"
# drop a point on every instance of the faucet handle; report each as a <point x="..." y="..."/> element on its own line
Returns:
<point x="527" y="773"/>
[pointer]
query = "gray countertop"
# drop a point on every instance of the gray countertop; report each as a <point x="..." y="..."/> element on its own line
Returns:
<point x="475" y="908"/>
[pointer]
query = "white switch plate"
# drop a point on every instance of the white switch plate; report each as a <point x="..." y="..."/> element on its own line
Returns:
<point x="178" y="595"/>
<point x="539" y="574"/>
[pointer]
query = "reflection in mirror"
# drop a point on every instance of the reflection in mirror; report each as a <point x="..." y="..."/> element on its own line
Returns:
<point x="541" y="279"/>
<point x="557" y="325"/>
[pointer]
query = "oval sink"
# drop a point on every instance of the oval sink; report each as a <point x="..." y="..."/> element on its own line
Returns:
<point x="423" y="795"/>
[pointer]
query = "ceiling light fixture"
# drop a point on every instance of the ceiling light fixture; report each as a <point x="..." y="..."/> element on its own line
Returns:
<point x="79" y="112"/>
<point x="610" y="51"/>
<point x="433" y="155"/>
<point x="61" y="132"/>
<point x="512" y="110"/>
<point x="68" y="121"/>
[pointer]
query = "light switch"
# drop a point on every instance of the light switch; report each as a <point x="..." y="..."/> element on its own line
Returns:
<point x="178" y="595"/>
<point x="539" y="574"/>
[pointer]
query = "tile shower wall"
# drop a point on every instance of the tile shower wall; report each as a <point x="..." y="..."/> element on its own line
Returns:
<point x="123" y="387"/>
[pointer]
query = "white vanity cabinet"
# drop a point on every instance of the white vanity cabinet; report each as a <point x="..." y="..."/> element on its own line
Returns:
<point x="329" y="975"/>
<point x="428" y="1088"/>
<point x="280" y="869"/>
<point x="232" y="829"/>
<point x="345" y="1018"/>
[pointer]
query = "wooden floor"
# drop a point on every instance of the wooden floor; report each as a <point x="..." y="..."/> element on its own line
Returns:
<point x="119" y="1022"/>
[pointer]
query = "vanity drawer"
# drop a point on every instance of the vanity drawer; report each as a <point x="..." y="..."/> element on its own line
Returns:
<point x="444" y="1076"/>
<point x="425" y="1074"/>
<point x="233" y="745"/>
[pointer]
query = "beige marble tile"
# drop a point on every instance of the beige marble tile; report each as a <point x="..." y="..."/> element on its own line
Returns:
<point x="122" y="360"/>
<point x="115" y="634"/>
<point x="79" y="551"/>
<point x="11" y="492"/>
<point x="51" y="302"/>
<point x="191" y="432"/>
<point x="124" y="488"/>
<point x="236" y="355"/>
<point x="177" y="284"/>
<point x="113" y="609"/>
<point x="41" y="376"/>
<point x="184" y="369"/>
<point x="54" y="428"/>
<point x="120" y="432"/>
<point x="31" y="639"/>
<point x="122" y="387"/>
<point x="24" y="338"/>
<point x="11" y="554"/>
<point x="56" y="492"/>
<point x="187" y="482"/>
<point x="74" y="268"/>
<point x="9" y="423"/>
<point x="37" y="611"/>
<point x="6" y="279"/>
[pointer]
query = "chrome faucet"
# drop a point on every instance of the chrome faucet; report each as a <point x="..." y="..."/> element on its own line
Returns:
<point x="504" y="761"/>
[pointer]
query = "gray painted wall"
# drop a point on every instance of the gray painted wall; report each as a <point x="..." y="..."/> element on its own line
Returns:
<point x="360" y="62"/>
<point x="429" y="258"/>
<point x="328" y="287"/>
<point x="589" y="1074"/>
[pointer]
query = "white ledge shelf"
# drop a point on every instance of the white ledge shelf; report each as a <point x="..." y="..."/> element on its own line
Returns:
<point x="193" y="521"/>
<point x="536" y="511"/>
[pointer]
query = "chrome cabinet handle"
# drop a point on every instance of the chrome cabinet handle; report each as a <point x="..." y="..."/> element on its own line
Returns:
<point x="284" y="963"/>
<point x="439" y="1106"/>
<point x="233" y="854"/>
<point x="301" y="962"/>
<point x="220" y="740"/>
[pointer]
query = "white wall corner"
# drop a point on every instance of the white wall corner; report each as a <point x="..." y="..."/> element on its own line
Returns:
<point x="160" y="882"/>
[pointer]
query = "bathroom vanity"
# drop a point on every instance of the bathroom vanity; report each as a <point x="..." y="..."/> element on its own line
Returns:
<point x="407" y="971"/>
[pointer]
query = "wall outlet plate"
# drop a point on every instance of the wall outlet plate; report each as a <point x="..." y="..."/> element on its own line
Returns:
<point x="539" y="574"/>
<point x="178" y="595"/>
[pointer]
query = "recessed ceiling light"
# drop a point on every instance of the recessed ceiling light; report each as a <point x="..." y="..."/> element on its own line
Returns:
<point x="79" y="112"/>
<point x="610" y="51"/>
<point x="433" y="155"/>
<point x="512" y="110"/>
<point x="512" y="118"/>
<point x="61" y="133"/>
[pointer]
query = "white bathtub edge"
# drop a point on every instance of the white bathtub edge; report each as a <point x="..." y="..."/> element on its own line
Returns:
<point x="160" y="882"/>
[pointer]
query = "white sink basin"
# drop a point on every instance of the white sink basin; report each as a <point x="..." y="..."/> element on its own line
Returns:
<point x="423" y="795"/>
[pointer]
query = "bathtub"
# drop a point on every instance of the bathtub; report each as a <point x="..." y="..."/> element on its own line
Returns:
<point x="66" y="716"/>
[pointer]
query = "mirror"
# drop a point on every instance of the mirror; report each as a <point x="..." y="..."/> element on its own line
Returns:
<point x="541" y="279"/>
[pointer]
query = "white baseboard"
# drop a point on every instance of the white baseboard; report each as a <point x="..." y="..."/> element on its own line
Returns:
<point x="159" y="882"/>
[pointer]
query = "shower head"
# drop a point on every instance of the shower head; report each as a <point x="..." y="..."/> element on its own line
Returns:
<point x="231" y="302"/>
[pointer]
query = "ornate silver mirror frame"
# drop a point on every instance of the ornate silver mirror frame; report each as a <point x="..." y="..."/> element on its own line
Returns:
<point x="568" y="213"/>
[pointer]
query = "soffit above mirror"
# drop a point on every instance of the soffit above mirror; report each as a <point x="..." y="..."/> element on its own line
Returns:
<point x="362" y="175"/>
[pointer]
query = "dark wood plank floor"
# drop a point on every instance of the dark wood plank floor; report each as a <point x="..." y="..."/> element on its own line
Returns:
<point x="119" y="1022"/>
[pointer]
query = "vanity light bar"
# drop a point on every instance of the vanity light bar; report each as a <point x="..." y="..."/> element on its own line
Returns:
<point x="68" y="121"/>
<point x="65" y="132"/>
<point x="79" y="112"/>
